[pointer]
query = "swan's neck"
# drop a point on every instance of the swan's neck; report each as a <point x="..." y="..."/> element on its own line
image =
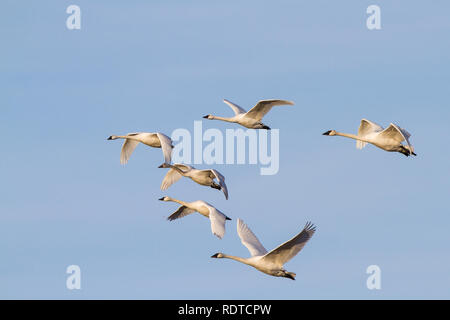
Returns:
<point x="223" y="119"/>
<point x="178" y="201"/>
<point x="177" y="169"/>
<point x="124" y="137"/>
<point x="351" y="136"/>
<point x="242" y="260"/>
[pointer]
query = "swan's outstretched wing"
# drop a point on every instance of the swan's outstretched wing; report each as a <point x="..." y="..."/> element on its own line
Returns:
<point x="221" y="179"/>
<point x="127" y="148"/>
<point x="166" y="146"/>
<point x="249" y="239"/>
<point x="365" y="128"/>
<point x="173" y="175"/>
<point x="180" y="213"/>
<point x="264" y="106"/>
<point x="237" y="110"/>
<point x="398" y="134"/>
<point x="289" y="249"/>
<point x="217" y="222"/>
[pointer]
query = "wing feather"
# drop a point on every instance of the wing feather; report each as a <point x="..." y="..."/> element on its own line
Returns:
<point x="173" y="175"/>
<point x="398" y="134"/>
<point x="264" y="106"/>
<point x="236" y="109"/>
<point x="249" y="239"/>
<point x="365" y="128"/>
<point x="221" y="179"/>
<point x="289" y="249"/>
<point x="127" y="148"/>
<point x="180" y="213"/>
<point x="217" y="219"/>
<point x="166" y="146"/>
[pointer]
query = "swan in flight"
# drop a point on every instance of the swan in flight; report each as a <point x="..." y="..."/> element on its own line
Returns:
<point x="205" y="209"/>
<point x="155" y="140"/>
<point x="271" y="262"/>
<point x="203" y="177"/>
<point x="389" y="139"/>
<point x="251" y="119"/>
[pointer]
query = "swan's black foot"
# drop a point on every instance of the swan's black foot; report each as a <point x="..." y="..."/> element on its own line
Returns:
<point x="215" y="186"/>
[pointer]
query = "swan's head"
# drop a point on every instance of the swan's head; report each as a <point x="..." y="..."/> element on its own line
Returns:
<point x="164" y="165"/>
<point x="329" y="133"/>
<point x="164" y="199"/>
<point x="112" y="138"/>
<point x="218" y="255"/>
<point x="209" y="116"/>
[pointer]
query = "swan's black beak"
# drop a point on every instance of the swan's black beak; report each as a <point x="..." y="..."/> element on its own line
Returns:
<point x="413" y="154"/>
<point x="214" y="255"/>
<point x="161" y="166"/>
<point x="109" y="138"/>
<point x="266" y="127"/>
<point x="206" y="117"/>
<point x="226" y="218"/>
<point x="326" y="133"/>
<point x="161" y="199"/>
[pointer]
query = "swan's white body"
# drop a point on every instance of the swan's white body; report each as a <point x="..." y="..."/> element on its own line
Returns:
<point x="271" y="262"/>
<point x="203" y="177"/>
<point x="216" y="217"/>
<point x="389" y="139"/>
<point x="155" y="140"/>
<point x="252" y="118"/>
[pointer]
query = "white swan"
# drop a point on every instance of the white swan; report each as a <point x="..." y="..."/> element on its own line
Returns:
<point x="203" y="177"/>
<point x="217" y="218"/>
<point x="251" y="119"/>
<point x="155" y="140"/>
<point x="389" y="139"/>
<point x="271" y="262"/>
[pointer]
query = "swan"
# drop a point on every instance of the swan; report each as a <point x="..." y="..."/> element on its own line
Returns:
<point x="271" y="262"/>
<point x="389" y="139"/>
<point x="251" y="119"/>
<point x="205" y="209"/>
<point x="203" y="177"/>
<point x="155" y="140"/>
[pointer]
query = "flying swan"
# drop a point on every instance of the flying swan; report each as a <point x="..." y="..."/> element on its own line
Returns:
<point x="389" y="139"/>
<point x="205" y="209"/>
<point x="203" y="177"/>
<point x="271" y="262"/>
<point x="251" y="119"/>
<point x="155" y="140"/>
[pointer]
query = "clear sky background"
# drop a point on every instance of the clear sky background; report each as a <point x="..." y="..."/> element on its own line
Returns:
<point x="158" y="66"/>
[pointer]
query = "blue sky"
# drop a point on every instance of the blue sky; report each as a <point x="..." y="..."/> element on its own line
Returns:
<point x="158" y="66"/>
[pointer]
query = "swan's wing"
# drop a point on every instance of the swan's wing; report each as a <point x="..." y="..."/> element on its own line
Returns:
<point x="128" y="148"/>
<point x="221" y="179"/>
<point x="264" y="106"/>
<point x="217" y="222"/>
<point x="173" y="175"/>
<point x="237" y="110"/>
<point x="249" y="239"/>
<point x="366" y="127"/>
<point x="289" y="249"/>
<point x="398" y="134"/>
<point x="166" y="146"/>
<point x="406" y="135"/>
<point x="180" y="213"/>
